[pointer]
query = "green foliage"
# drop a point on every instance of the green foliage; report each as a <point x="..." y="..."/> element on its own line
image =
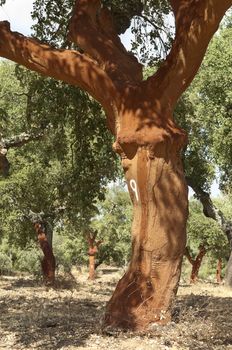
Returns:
<point x="14" y="258"/>
<point x="70" y="248"/>
<point x="114" y="225"/>
<point x="149" y="21"/>
<point x="69" y="169"/>
<point x="205" y="112"/>
<point x="203" y="231"/>
<point x="5" y="264"/>
<point x="28" y="260"/>
<point x="60" y="178"/>
<point x="12" y="102"/>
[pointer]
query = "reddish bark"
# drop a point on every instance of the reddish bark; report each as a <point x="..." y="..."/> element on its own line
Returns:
<point x="140" y="115"/>
<point x="93" y="250"/>
<point x="48" y="263"/>
<point x="219" y="271"/>
<point x="196" y="264"/>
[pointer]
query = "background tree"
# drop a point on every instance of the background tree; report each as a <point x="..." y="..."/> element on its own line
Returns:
<point x="43" y="176"/>
<point x="206" y="108"/>
<point x="204" y="237"/>
<point x="113" y="223"/>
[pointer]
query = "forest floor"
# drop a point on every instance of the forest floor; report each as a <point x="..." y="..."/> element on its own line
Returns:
<point x="69" y="316"/>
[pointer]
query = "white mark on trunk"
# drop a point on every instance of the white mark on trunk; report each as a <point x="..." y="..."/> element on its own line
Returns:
<point x="133" y="186"/>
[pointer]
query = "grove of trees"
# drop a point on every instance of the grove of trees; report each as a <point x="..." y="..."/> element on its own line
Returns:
<point x="62" y="176"/>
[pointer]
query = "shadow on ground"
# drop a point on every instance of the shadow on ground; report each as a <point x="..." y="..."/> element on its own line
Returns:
<point x="32" y="316"/>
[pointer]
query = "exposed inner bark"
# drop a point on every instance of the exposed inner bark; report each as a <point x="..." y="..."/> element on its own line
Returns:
<point x="93" y="249"/>
<point x="196" y="263"/>
<point x="159" y="194"/>
<point x="219" y="271"/>
<point x="48" y="263"/>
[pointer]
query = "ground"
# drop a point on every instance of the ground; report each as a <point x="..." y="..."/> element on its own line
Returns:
<point x="69" y="316"/>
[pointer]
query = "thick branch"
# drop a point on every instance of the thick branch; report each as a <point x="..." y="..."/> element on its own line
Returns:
<point x="196" y="22"/>
<point x="91" y="27"/>
<point x="66" y="65"/>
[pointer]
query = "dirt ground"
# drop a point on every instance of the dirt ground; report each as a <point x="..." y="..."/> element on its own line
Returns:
<point x="69" y="316"/>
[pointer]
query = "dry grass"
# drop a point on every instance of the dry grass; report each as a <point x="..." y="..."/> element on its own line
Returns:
<point x="69" y="317"/>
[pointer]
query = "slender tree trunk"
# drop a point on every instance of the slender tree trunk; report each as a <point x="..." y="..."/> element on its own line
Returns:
<point x="93" y="249"/>
<point x="196" y="264"/>
<point x="48" y="262"/>
<point x="219" y="271"/>
<point x="228" y="275"/>
<point x="92" y="267"/>
<point x="159" y="194"/>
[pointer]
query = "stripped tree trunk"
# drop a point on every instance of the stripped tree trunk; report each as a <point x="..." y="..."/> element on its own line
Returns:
<point x="48" y="262"/>
<point x="159" y="194"/>
<point x="93" y="250"/>
<point x="219" y="271"/>
<point x="196" y="264"/>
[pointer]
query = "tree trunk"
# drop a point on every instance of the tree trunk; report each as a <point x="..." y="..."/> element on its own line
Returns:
<point x="159" y="194"/>
<point x="219" y="271"/>
<point x="48" y="263"/>
<point x="228" y="276"/>
<point x="92" y="267"/>
<point x="93" y="250"/>
<point x="197" y="264"/>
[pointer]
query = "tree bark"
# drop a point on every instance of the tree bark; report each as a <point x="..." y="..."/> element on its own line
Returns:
<point x="219" y="271"/>
<point x="93" y="249"/>
<point x="228" y="275"/>
<point x="159" y="194"/>
<point x="92" y="267"/>
<point x="48" y="262"/>
<point x="196" y="264"/>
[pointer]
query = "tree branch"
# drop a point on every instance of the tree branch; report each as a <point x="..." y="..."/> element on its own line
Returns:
<point x="20" y="140"/>
<point x="14" y="141"/>
<point x="66" y="65"/>
<point x="91" y="27"/>
<point x="196" y="22"/>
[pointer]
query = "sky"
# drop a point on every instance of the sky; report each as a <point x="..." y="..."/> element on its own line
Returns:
<point x="17" y="12"/>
